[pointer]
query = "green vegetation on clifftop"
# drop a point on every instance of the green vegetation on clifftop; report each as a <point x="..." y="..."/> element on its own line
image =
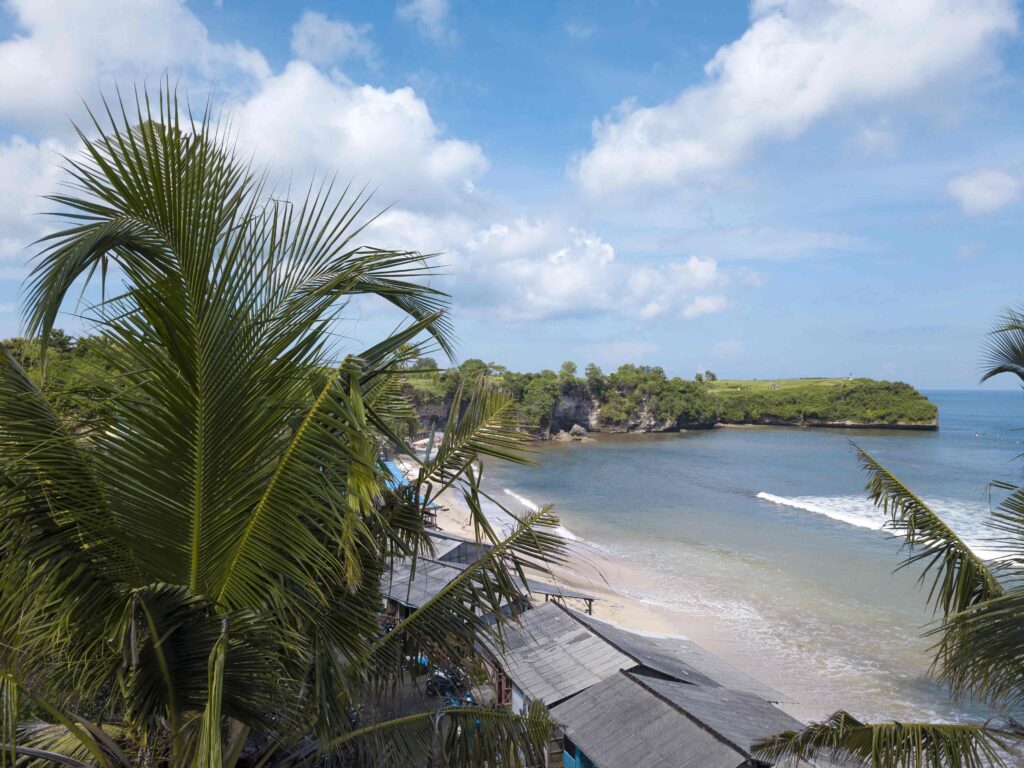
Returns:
<point x="644" y="398"/>
<point x="810" y="401"/>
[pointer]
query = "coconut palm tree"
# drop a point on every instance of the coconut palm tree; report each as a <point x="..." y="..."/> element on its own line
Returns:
<point x="979" y="637"/>
<point x="193" y="578"/>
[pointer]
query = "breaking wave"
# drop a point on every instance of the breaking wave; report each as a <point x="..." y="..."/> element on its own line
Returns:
<point x="561" y="530"/>
<point x="965" y="518"/>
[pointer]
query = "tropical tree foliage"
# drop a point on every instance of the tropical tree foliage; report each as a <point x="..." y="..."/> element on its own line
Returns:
<point x="190" y="575"/>
<point x="634" y="394"/>
<point x="979" y="651"/>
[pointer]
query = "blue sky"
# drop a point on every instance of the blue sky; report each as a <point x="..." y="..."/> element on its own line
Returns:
<point x="782" y="188"/>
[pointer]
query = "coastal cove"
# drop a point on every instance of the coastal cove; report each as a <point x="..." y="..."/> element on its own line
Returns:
<point x="760" y="545"/>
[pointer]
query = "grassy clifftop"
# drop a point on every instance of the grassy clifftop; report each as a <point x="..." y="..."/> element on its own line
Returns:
<point x="822" y="401"/>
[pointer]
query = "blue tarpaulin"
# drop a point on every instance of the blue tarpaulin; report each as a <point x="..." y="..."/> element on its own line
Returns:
<point x="397" y="480"/>
<point x="397" y="476"/>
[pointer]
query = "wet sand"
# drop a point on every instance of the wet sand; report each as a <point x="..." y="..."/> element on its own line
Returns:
<point x="590" y="571"/>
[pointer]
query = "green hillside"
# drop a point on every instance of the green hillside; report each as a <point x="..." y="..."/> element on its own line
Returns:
<point x="816" y="400"/>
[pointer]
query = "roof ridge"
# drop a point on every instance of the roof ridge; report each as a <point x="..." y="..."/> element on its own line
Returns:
<point x="698" y="722"/>
<point x="456" y="537"/>
<point x="619" y="648"/>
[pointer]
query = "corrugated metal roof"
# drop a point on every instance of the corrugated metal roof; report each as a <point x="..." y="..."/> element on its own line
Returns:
<point x="413" y="586"/>
<point x="740" y="718"/>
<point x="432" y="573"/>
<point x="554" y="652"/>
<point x="618" y="723"/>
<point x="550" y="656"/>
<point x="679" y="658"/>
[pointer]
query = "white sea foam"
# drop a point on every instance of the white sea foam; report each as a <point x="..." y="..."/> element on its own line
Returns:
<point x="522" y="500"/>
<point x="966" y="518"/>
<point x="561" y="530"/>
<point x="852" y="510"/>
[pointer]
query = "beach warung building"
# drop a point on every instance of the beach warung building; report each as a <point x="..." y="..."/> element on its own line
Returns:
<point x="627" y="698"/>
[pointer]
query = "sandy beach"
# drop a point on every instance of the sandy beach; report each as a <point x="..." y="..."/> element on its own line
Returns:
<point x="590" y="571"/>
<point x="586" y="570"/>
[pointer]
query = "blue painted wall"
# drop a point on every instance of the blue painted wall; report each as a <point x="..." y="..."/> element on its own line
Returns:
<point x="579" y="761"/>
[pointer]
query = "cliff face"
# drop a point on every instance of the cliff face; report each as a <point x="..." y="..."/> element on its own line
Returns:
<point x="574" y="407"/>
<point x="578" y="407"/>
<point x="433" y="414"/>
<point x="644" y="421"/>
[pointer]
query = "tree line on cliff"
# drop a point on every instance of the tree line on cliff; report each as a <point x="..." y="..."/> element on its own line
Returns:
<point x="645" y="398"/>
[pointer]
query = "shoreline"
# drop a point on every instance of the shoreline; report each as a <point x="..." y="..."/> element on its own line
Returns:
<point x="752" y="425"/>
<point x="603" y="576"/>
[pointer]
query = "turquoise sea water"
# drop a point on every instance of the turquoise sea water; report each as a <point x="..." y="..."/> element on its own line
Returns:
<point x="762" y="544"/>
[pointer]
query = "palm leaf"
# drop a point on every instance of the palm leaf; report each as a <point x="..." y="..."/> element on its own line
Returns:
<point x="235" y="475"/>
<point x="979" y="653"/>
<point x="844" y="740"/>
<point x="210" y="754"/>
<point x="1005" y="349"/>
<point x="959" y="577"/>
<point x="64" y="559"/>
<point x="459" y="612"/>
<point x="460" y="737"/>
<point x="45" y="744"/>
<point x="1008" y="524"/>
<point x="482" y="422"/>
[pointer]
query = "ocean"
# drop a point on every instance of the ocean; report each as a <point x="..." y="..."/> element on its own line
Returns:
<point x="762" y="542"/>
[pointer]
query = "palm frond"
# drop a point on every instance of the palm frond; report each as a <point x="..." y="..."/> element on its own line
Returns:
<point x="1005" y="349"/>
<point x="979" y="652"/>
<point x="234" y="479"/>
<point x="484" y="592"/>
<point x="72" y="733"/>
<point x="44" y="744"/>
<point x="42" y="457"/>
<point x="846" y="741"/>
<point x="211" y="747"/>
<point x="959" y="578"/>
<point x="64" y="559"/>
<point x="460" y="737"/>
<point x="1008" y="525"/>
<point x="482" y="422"/>
<point x="170" y="639"/>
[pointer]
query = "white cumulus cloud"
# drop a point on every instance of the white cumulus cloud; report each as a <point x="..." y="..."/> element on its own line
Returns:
<point x="300" y="121"/>
<point x="305" y="121"/>
<point x="28" y="171"/>
<point x="533" y="269"/>
<point x="705" y="305"/>
<point x="798" y="62"/>
<point x="984" y="191"/>
<point x="325" y="41"/>
<point x="429" y="16"/>
<point x="65" y="49"/>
